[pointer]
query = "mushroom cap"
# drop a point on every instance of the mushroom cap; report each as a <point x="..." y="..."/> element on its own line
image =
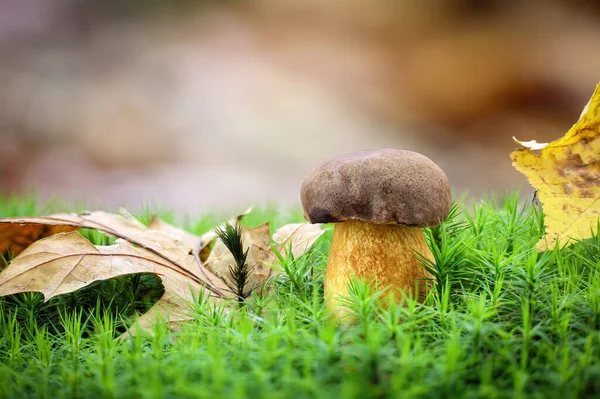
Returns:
<point x="378" y="186"/>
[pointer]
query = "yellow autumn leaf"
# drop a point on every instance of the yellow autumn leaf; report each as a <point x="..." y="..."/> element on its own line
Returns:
<point x="566" y="173"/>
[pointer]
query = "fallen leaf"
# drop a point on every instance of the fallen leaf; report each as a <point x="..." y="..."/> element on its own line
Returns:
<point x="256" y="241"/>
<point x="186" y="280"/>
<point x="15" y="238"/>
<point x="566" y="174"/>
<point x="211" y="235"/>
<point x="66" y="262"/>
<point x="120" y="226"/>
<point x="187" y="239"/>
<point x="199" y="246"/>
<point x="300" y="236"/>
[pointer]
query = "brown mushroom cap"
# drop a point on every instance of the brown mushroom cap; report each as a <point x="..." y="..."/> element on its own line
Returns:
<point x="379" y="186"/>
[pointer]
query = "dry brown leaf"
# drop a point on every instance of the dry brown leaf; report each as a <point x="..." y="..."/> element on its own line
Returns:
<point x="257" y="241"/>
<point x="127" y="228"/>
<point x="211" y="235"/>
<point x="15" y="238"/>
<point x="187" y="239"/>
<point x="66" y="262"/>
<point x="197" y="245"/>
<point x="187" y="272"/>
<point x="300" y="236"/>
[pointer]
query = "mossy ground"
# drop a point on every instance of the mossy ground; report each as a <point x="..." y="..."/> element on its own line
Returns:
<point x="502" y="321"/>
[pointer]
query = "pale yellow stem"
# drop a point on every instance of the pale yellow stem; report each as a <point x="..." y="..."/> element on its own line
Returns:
<point x="384" y="253"/>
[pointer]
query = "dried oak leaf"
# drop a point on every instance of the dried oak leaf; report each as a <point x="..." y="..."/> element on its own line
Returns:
<point x="64" y="263"/>
<point x="566" y="174"/>
<point x="189" y="240"/>
<point x="300" y="236"/>
<point x="15" y="238"/>
<point x="257" y="241"/>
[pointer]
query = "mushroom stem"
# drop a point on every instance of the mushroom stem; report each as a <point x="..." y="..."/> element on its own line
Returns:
<point x="384" y="253"/>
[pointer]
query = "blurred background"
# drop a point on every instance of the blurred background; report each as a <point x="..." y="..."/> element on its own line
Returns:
<point x="213" y="105"/>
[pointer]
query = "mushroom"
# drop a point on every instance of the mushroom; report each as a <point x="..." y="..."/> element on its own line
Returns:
<point x="380" y="200"/>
